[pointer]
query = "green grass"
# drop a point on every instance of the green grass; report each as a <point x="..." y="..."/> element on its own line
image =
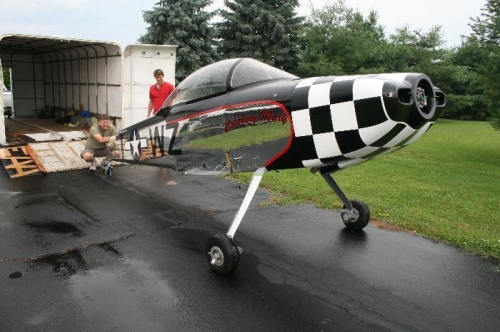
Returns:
<point x="446" y="186"/>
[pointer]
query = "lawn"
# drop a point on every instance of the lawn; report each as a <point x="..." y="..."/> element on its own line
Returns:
<point x="446" y="186"/>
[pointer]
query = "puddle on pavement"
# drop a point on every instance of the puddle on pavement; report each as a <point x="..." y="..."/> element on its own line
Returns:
<point x="64" y="264"/>
<point x="57" y="227"/>
<point x="353" y="238"/>
<point x="125" y="294"/>
<point x="109" y="248"/>
<point x="71" y="262"/>
<point x="16" y="275"/>
<point x="126" y="291"/>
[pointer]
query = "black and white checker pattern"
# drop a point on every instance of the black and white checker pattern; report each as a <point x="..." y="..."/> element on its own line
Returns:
<point x="343" y="121"/>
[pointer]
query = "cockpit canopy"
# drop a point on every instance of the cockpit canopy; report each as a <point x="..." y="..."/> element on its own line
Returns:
<point x="224" y="76"/>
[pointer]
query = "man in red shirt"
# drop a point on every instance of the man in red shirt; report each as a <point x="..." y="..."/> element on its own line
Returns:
<point x="158" y="92"/>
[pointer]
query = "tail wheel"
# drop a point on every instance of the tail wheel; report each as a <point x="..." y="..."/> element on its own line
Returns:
<point x="222" y="254"/>
<point x="361" y="215"/>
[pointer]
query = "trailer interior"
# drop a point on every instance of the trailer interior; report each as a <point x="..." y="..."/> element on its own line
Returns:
<point x="59" y="86"/>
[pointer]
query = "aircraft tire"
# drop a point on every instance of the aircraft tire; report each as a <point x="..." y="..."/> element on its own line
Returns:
<point x="363" y="215"/>
<point x="222" y="254"/>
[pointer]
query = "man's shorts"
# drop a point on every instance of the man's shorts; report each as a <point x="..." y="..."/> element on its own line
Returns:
<point x="97" y="152"/>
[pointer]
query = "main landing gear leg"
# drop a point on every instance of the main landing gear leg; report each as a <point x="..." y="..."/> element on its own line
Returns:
<point x="222" y="253"/>
<point x="355" y="213"/>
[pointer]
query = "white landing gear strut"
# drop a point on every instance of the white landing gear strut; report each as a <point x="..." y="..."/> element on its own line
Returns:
<point x="223" y="255"/>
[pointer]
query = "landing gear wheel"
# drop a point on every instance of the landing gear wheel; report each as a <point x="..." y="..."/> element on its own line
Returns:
<point x="222" y="254"/>
<point x="361" y="215"/>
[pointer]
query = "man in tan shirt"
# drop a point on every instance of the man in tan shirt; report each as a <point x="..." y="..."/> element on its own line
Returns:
<point x="101" y="142"/>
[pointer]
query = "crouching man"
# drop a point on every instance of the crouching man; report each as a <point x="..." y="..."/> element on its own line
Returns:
<point x="101" y="142"/>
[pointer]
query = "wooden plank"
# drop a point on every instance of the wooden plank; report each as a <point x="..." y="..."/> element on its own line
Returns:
<point x="18" y="162"/>
<point x="35" y="158"/>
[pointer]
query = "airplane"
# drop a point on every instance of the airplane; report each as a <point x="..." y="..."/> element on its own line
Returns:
<point x="241" y="115"/>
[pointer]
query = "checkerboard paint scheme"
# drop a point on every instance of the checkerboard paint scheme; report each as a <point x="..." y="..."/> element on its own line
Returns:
<point x="342" y="121"/>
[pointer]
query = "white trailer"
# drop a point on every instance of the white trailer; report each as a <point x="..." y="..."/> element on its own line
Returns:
<point x="65" y="73"/>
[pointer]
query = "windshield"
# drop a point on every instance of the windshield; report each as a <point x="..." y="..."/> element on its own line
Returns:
<point x="224" y="76"/>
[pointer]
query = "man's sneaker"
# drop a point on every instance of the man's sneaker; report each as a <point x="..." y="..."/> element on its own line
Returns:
<point x="93" y="167"/>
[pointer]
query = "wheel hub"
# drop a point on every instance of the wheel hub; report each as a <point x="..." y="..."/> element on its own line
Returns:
<point x="217" y="256"/>
<point x="350" y="216"/>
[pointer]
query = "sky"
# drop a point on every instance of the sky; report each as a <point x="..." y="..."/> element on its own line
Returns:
<point x="121" y="21"/>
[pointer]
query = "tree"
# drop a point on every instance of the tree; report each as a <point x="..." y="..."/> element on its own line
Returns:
<point x="462" y="83"/>
<point x="186" y="24"/>
<point x="6" y="77"/>
<point x="337" y="40"/>
<point x="487" y="27"/>
<point x="414" y="50"/>
<point x="262" y="29"/>
<point x="486" y="35"/>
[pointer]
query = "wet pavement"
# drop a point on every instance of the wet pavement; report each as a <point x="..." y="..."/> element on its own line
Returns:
<point x="80" y="252"/>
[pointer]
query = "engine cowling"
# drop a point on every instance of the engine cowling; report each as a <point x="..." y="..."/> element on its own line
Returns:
<point x="341" y="121"/>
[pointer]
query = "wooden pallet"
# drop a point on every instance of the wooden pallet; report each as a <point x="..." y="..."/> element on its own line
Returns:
<point x="18" y="162"/>
<point x="47" y="157"/>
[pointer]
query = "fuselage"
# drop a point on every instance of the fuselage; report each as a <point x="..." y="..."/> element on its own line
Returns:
<point x="289" y="122"/>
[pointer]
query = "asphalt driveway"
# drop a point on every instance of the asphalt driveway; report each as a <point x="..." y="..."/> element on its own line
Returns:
<point x="80" y="251"/>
